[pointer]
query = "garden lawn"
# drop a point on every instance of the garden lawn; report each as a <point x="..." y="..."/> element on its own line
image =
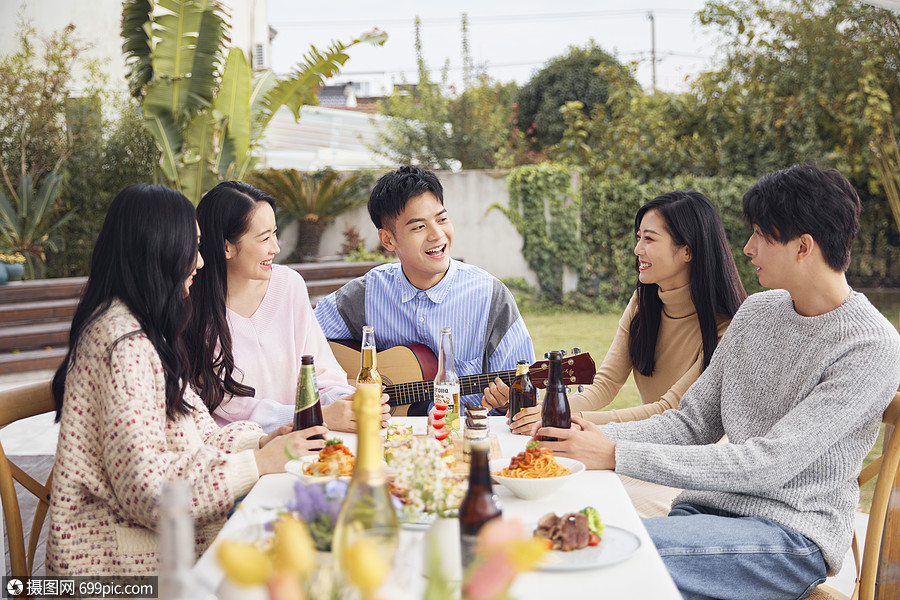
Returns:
<point x="594" y="333"/>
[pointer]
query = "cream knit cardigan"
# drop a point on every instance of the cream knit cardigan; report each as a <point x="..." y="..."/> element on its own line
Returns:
<point x="116" y="448"/>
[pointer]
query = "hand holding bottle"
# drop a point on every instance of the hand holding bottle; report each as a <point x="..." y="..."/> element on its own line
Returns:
<point x="526" y="421"/>
<point x="339" y="414"/>
<point x="277" y="450"/>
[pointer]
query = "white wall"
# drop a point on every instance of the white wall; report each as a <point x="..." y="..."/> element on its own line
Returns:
<point x="97" y="23"/>
<point x="486" y="240"/>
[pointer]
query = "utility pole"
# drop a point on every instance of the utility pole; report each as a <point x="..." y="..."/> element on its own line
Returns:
<point x="652" y="48"/>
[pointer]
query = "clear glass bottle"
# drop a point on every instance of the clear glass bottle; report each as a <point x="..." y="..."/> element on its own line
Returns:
<point x="308" y="409"/>
<point x="367" y="511"/>
<point x="446" y="382"/>
<point x="368" y="360"/>
<point x="176" y="541"/>
<point x="480" y="504"/>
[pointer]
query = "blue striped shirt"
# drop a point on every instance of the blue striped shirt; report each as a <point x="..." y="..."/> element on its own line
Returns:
<point x="403" y="314"/>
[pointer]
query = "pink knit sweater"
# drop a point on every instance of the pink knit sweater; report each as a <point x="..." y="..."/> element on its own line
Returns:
<point x="116" y="448"/>
<point x="267" y="349"/>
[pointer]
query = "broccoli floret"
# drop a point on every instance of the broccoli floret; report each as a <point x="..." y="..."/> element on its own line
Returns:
<point x="595" y="524"/>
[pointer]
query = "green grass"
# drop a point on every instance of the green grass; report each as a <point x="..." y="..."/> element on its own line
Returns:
<point x="594" y="333"/>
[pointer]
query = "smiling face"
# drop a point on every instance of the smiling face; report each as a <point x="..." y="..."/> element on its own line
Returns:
<point x="198" y="264"/>
<point x="421" y="236"/>
<point x="771" y="258"/>
<point x="661" y="261"/>
<point x="251" y="257"/>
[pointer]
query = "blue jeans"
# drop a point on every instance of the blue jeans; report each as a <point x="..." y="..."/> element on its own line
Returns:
<point x="713" y="554"/>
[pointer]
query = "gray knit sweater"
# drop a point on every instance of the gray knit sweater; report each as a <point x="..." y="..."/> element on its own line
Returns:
<point x="800" y="399"/>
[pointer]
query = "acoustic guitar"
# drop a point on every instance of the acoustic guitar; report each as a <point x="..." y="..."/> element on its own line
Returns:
<point x="408" y="372"/>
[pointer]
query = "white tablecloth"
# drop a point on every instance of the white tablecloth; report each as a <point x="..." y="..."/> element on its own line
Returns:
<point x="641" y="576"/>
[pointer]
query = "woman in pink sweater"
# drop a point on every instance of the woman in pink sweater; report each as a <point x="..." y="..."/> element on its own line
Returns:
<point x="254" y="320"/>
<point x="129" y="421"/>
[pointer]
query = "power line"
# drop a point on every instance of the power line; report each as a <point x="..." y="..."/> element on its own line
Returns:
<point x="660" y="56"/>
<point x="488" y="19"/>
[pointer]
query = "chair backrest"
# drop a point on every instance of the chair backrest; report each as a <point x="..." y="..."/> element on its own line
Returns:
<point x="885" y="468"/>
<point x="15" y="404"/>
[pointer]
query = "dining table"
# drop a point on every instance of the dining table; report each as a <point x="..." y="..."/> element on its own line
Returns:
<point x="637" y="574"/>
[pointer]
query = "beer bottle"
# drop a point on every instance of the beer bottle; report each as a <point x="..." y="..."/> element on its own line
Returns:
<point x="522" y="393"/>
<point x="368" y="367"/>
<point x="446" y="382"/>
<point x="367" y="512"/>
<point x="555" y="410"/>
<point x="308" y="410"/>
<point x="480" y="504"/>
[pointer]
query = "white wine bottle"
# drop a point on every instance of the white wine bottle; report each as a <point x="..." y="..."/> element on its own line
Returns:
<point x="367" y="513"/>
<point x="368" y="362"/>
<point x="446" y="383"/>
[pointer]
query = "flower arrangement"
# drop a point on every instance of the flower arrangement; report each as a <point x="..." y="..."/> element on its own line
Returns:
<point x="423" y="481"/>
<point x="319" y="504"/>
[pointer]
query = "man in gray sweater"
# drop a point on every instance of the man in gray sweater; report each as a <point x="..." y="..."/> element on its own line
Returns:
<point x="798" y="383"/>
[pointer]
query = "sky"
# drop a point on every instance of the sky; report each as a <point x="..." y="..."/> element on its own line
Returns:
<point x="513" y="39"/>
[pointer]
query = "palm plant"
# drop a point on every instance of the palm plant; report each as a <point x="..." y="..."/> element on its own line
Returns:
<point x="313" y="199"/>
<point x="26" y="218"/>
<point x="205" y="110"/>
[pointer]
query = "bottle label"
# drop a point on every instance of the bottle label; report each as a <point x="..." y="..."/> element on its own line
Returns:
<point x="467" y="544"/>
<point x="308" y="390"/>
<point x="447" y="394"/>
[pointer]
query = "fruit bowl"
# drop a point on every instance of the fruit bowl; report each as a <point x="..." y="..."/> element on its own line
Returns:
<point x="538" y="487"/>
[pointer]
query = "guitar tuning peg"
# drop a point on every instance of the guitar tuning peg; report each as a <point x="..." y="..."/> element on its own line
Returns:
<point x="576" y="350"/>
<point x="580" y="388"/>
<point x="562" y="353"/>
<point x="546" y="355"/>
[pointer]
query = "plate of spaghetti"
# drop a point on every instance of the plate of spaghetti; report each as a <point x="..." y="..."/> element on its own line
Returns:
<point x="534" y="473"/>
<point x="334" y="460"/>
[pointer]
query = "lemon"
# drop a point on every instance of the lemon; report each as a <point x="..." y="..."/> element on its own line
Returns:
<point x="293" y="549"/>
<point x="243" y="563"/>
<point x="365" y="565"/>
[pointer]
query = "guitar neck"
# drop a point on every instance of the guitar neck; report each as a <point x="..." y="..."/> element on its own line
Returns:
<point x="423" y="391"/>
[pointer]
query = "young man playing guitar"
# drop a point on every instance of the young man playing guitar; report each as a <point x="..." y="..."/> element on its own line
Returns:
<point x="409" y="302"/>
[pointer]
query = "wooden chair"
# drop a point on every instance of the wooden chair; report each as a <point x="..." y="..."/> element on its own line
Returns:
<point x="16" y="404"/>
<point x="886" y="469"/>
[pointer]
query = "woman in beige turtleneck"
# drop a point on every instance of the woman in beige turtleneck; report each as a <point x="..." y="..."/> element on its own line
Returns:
<point x="688" y="289"/>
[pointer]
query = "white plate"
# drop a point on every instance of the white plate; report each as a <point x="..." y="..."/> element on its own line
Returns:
<point x="617" y="545"/>
<point x="295" y="467"/>
<point x="421" y="524"/>
<point x="533" y="488"/>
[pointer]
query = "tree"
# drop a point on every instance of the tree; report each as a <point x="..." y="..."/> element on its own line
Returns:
<point x="35" y="142"/>
<point x="565" y="79"/>
<point x="313" y="199"/>
<point x="206" y="112"/>
<point x="633" y="134"/>
<point x="472" y="130"/>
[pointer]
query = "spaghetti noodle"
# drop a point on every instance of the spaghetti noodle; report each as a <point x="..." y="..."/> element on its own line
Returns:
<point x="334" y="460"/>
<point x="535" y="462"/>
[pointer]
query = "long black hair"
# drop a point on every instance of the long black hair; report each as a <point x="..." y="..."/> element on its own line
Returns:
<point x="716" y="289"/>
<point x="145" y="252"/>
<point x="223" y="214"/>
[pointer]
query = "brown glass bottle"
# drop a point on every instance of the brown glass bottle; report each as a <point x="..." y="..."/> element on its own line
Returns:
<point x="480" y="504"/>
<point x="522" y="393"/>
<point x="308" y="410"/>
<point x="555" y="410"/>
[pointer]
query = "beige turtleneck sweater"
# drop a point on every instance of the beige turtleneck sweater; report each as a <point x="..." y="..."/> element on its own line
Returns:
<point x="679" y="362"/>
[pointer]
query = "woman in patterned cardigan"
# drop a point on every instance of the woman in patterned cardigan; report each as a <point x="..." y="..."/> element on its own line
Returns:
<point x="129" y="421"/>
